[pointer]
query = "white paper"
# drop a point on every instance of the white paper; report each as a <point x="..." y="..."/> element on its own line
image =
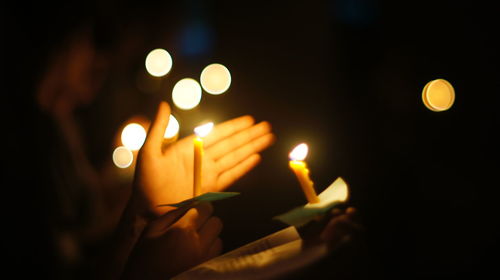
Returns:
<point x="273" y="256"/>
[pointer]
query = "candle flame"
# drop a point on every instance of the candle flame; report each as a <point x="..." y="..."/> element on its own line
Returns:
<point x="299" y="152"/>
<point x="204" y="130"/>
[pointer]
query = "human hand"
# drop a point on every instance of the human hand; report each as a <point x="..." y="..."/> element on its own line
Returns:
<point x="342" y="225"/>
<point x="171" y="244"/>
<point x="166" y="175"/>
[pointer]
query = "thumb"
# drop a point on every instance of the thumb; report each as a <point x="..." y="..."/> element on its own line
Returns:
<point x="157" y="129"/>
<point x="158" y="226"/>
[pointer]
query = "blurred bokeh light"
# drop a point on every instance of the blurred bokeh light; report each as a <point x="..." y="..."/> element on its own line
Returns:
<point x="438" y="95"/>
<point x="186" y="94"/>
<point x="122" y="157"/>
<point x="133" y="136"/>
<point x="215" y="79"/>
<point x="172" y="128"/>
<point x="158" y="63"/>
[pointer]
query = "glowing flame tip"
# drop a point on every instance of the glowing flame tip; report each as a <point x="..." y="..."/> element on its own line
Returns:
<point x="204" y="130"/>
<point x="299" y="152"/>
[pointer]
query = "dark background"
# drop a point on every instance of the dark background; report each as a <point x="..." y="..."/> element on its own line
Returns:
<point x="346" y="78"/>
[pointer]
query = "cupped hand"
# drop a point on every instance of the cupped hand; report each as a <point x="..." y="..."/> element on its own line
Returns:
<point x="342" y="225"/>
<point x="165" y="175"/>
<point x="174" y="242"/>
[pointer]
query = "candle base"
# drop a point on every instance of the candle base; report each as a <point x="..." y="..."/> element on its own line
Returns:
<point x="333" y="196"/>
<point x="311" y="230"/>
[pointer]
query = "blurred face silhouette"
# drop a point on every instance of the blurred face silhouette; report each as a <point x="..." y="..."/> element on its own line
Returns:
<point x="74" y="75"/>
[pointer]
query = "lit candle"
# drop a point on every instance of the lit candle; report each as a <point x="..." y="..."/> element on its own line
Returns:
<point x="299" y="167"/>
<point x="200" y="131"/>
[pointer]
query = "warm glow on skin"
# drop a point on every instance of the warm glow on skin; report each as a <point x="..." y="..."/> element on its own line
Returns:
<point x="215" y="79"/>
<point x="438" y="95"/>
<point x="172" y="128"/>
<point x="158" y="62"/>
<point x="186" y="94"/>
<point x="204" y="130"/>
<point x="122" y="157"/>
<point x="133" y="136"/>
<point x="299" y="152"/>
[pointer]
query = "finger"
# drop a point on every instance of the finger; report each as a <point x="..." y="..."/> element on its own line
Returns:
<point x="236" y="156"/>
<point x="336" y="212"/>
<point x="338" y="227"/>
<point x="241" y="138"/>
<point x="215" y="249"/>
<point x="351" y="211"/>
<point x="334" y="231"/>
<point x="157" y="129"/>
<point x="205" y="211"/>
<point x="162" y="223"/>
<point x="229" y="176"/>
<point x="209" y="232"/>
<point x="228" y="128"/>
<point x="197" y="216"/>
<point x="350" y="216"/>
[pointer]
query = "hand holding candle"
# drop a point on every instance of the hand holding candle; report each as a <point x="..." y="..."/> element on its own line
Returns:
<point x="164" y="174"/>
<point x="200" y="131"/>
<point x="299" y="167"/>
